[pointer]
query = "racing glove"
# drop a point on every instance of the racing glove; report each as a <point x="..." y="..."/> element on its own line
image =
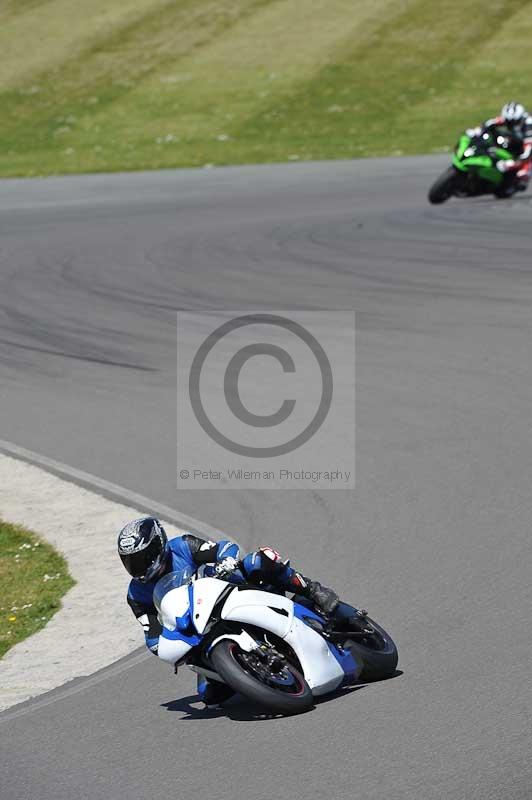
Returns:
<point x="226" y="566"/>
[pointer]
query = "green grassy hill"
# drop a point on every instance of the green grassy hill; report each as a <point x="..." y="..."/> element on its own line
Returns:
<point x="132" y="84"/>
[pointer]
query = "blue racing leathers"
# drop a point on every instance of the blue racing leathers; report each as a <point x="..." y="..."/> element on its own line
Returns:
<point x="267" y="569"/>
<point x="183" y="551"/>
<point x="263" y="568"/>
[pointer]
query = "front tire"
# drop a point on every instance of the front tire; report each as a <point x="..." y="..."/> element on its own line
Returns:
<point x="284" y="692"/>
<point x="443" y="188"/>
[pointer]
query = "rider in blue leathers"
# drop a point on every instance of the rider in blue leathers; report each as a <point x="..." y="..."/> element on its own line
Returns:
<point x="147" y="555"/>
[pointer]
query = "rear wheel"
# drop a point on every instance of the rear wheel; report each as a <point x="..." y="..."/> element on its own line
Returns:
<point x="502" y="193"/>
<point x="376" y="650"/>
<point x="443" y="187"/>
<point x="264" y="676"/>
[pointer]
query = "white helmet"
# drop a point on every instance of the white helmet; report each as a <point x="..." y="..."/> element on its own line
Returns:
<point x="513" y="113"/>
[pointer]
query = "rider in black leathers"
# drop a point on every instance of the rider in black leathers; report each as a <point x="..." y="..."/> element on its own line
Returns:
<point x="514" y="124"/>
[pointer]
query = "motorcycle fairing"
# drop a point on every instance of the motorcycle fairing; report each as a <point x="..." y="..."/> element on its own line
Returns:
<point x="325" y="666"/>
<point x="351" y="667"/>
<point x="176" y="640"/>
<point x="174" y="645"/>
<point x="481" y="163"/>
<point x="321" y="667"/>
<point x="273" y="612"/>
<point x="204" y="594"/>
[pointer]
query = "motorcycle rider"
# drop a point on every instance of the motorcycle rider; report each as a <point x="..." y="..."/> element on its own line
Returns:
<point x="514" y="123"/>
<point x="148" y="554"/>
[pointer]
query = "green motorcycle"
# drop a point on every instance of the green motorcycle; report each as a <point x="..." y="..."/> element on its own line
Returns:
<point x="474" y="169"/>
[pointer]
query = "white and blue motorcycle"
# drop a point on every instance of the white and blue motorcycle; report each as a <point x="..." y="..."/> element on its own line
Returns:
<point x="276" y="652"/>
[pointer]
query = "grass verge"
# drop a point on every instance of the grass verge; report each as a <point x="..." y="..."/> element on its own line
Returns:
<point x="33" y="579"/>
<point x="132" y="84"/>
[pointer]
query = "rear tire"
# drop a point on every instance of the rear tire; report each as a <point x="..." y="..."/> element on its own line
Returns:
<point x="443" y="188"/>
<point x="229" y="661"/>
<point x="378" y="663"/>
<point x="502" y="194"/>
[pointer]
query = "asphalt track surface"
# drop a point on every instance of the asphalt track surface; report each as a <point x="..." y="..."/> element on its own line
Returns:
<point x="434" y="540"/>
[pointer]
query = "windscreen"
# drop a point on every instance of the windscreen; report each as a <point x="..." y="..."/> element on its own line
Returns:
<point x="171" y="581"/>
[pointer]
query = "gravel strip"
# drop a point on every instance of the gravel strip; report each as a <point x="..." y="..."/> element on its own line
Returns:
<point x="95" y="626"/>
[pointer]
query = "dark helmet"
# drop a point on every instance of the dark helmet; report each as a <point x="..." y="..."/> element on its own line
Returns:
<point x="513" y="113"/>
<point x="143" y="548"/>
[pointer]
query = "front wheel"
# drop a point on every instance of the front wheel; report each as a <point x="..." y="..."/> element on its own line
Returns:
<point x="443" y="187"/>
<point x="264" y="676"/>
